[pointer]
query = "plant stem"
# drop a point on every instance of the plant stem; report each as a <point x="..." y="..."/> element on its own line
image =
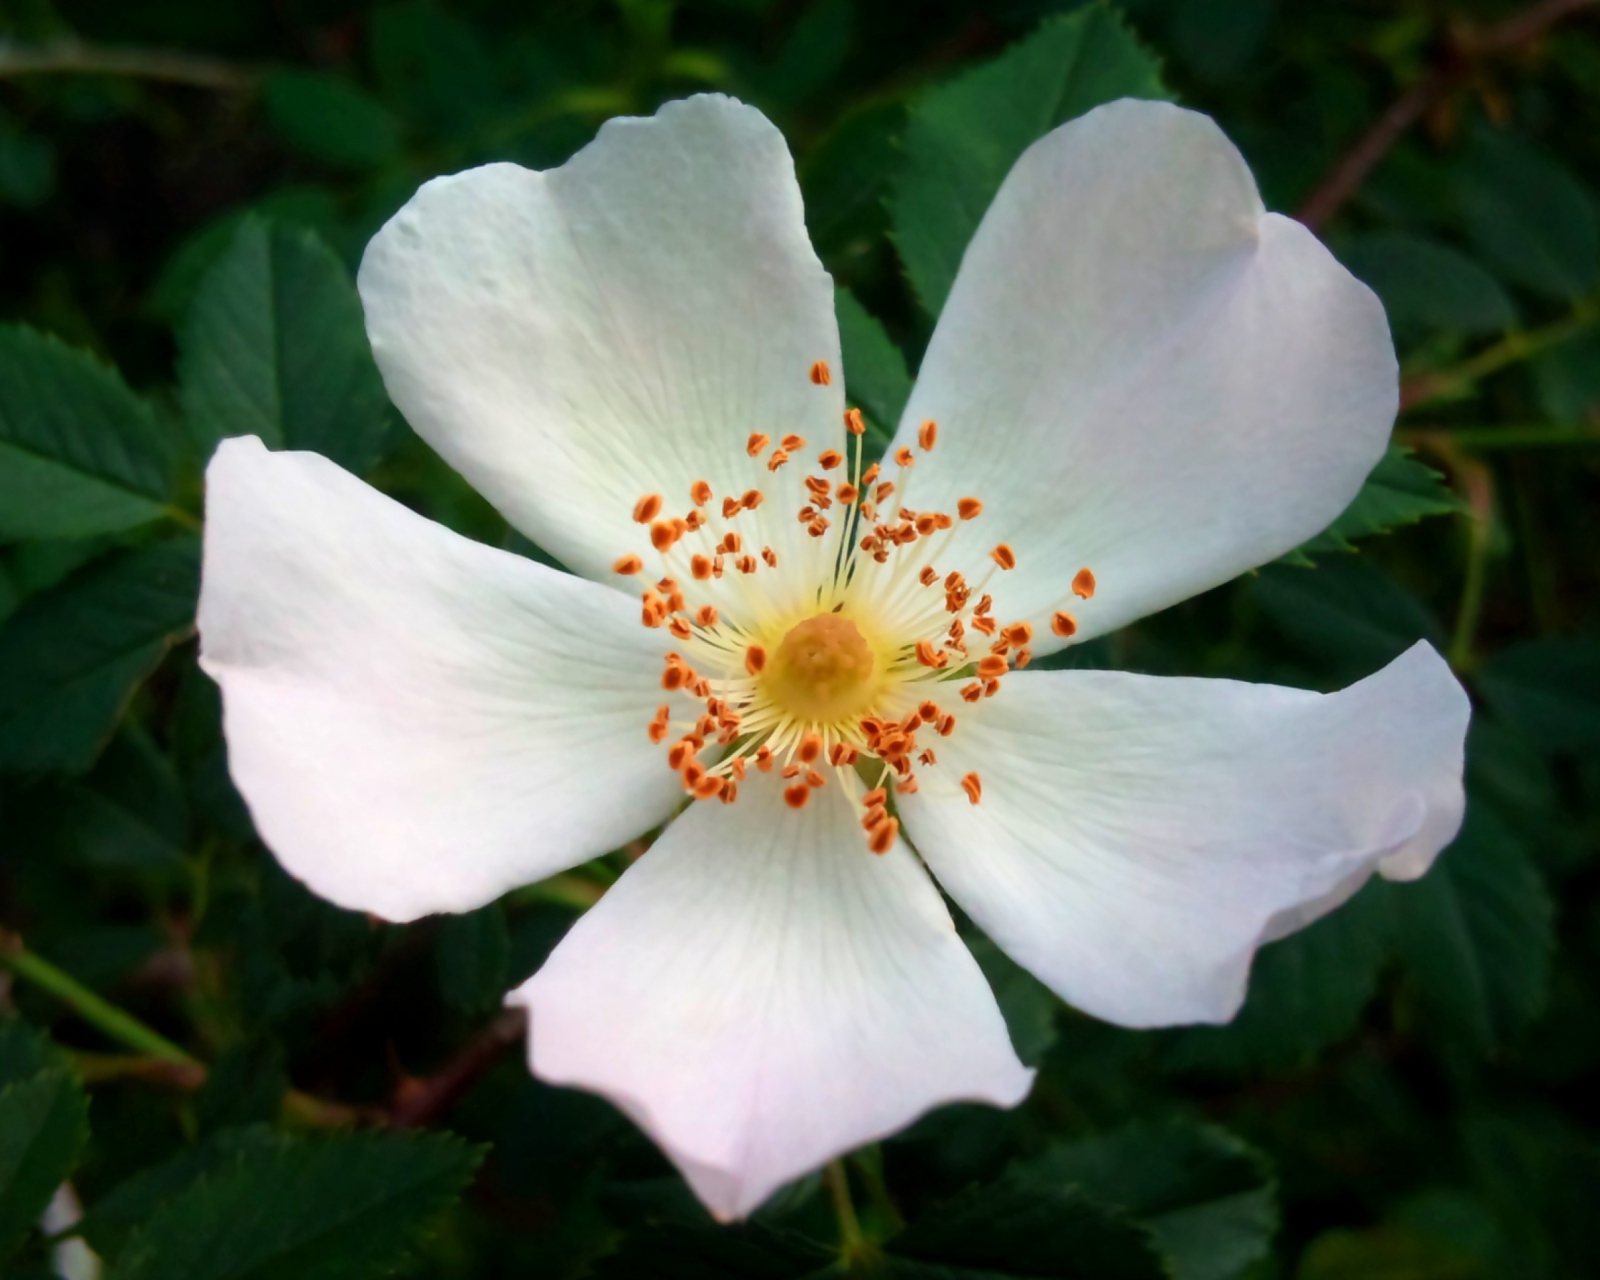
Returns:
<point x="853" y="1243"/>
<point x="91" y="1008"/>
<point x="1511" y="349"/>
<point x="72" y="56"/>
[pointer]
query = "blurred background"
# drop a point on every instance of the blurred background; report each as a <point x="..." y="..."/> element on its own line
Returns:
<point x="1411" y="1091"/>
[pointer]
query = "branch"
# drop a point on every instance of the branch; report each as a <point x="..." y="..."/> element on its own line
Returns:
<point x="1466" y="49"/>
<point x="423" y="1100"/>
<point x="71" y="56"/>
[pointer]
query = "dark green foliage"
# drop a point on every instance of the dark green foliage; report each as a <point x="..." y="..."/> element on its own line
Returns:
<point x="963" y="137"/>
<point x="72" y="657"/>
<point x="1407" y="1091"/>
<point x="273" y="346"/>
<point x="44" y="1122"/>
<point x="301" y="1209"/>
<point x="79" y="453"/>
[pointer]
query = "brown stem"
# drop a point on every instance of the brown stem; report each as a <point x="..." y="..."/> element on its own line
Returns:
<point x="1466" y="49"/>
<point x="423" y="1100"/>
<point x="75" y="57"/>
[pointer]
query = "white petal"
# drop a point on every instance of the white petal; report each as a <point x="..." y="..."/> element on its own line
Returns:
<point x="760" y="994"/>
<point x="574" y="339"/>
<point x="1139" y="837"/>
<point x="1141" y="372"/>
<point x="418" y="722"/>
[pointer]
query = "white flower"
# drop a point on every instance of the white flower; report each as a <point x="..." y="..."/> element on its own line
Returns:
<point x="1148" y="384"/>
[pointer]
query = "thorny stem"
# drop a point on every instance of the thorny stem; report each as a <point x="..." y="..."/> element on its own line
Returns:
<point x="1467" y="48"/>
<point x="1476" y="482"/>
<point x="120" y="1026"/>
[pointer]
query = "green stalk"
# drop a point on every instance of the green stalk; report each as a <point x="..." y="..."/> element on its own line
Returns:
<point x="91" y="1008"/>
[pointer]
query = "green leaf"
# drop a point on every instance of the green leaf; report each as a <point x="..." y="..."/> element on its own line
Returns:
<point x="25" y="1052"/>
<point x="329" y="120"/>
<point x="115" y="1216"/>
<point x="964" y="136"/>
<point x="1549" y="689"/>
<point x="1477" y="932"/>
<point x="473" y="953"/>
<point x="1015" y="1229"/>
<point x="336" y="1207"/>
<point x="1388" y="1253"/>
<point x="274" y="346"/>
<point x="874" y="369"/>
<point x="80" y="454"/>
<point x="1530" y="216"/>
<point x="1567" y="376"/>
<point x="27" y="167"/>
<point x="131" y="812"/>
<point x="1207" y="1197"/>
<point x="742" y="1251"/>
<point x="44" y="1122"/>
<point x="72" y="657"/>
<point x="1346" y="612"/>
<point x="846" y="177"/>
<point x="1029" y="1007"/>
<point x="1400" y="491"/>
<point x="1306" y="992"/>
<point x="1426" y="285"/>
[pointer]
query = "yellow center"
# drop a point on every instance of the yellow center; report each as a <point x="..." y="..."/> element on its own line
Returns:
<point x="822" y="670"/>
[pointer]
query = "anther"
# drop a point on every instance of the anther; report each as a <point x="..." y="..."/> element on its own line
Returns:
<point x="875" y="798"/>
<point x="928" y="656"/>
<point x="973" y="786"/>
<point x="796" y="796"/>
<point x="991" y="686"/>
<point x="842" y="754"/>
<point x="731" y="542"/>
<point x="853" y="423"/>
<point x="745" y="564"/>
<point x="778" y="458"/>
<point x="928" y="712"/>
<point x="810" y="748"/>
<point x="927" y="522"/>
<point x="1019" y="633"/>
<point x="1004" y="556"/>
<point x="1064" y="625"/>
<point x="708" y="787"/>
<point x="751" y="499"/>
<point x="882" y="492"/>
<point x="972" y="692"/>
<point x="673" y="678"/>
<point x="658" y="731"/>
<point x="694" y="520"/>
<point x="680" y="628"/>
<point x="662" y="536"/>
<point x="730" y="793"/>
<point x="927" y="434"/>
<point x="737" y="767"/>
<point x="792" y="443"/>
<point x="647" y="508"/>
<point x="764" y="758"/>
<point x="700" y="567"/>
<point x="627" y="566"/>
<point x="814" y="779"/>
<point x="870" y="474"/>
<point x="755" y="658"/>
<point x="707" y="616"/>
<point x="1083" y="584"/>
<point x="946" y="725"/>
<point x="928" y="758"/>
<point x="848" y="493"/>
<point x="928" y="576"/>
<point x="993" y="667"/>
<point x="758" y="441"/>
<point x="700" y="493"/>
<point x="770" y="556"/>
<point x="902" y="457"/>
<point x="881" y="838"/>
<point x="730" y="508"/>
<point x="792" y="770"/>
<point x="906" y="786"/>
<point x="820" y="374"/>
<point x="1023" y="658"/>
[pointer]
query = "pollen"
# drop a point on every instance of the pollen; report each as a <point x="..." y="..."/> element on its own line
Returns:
<point x="1083" y="584"/>
<point x="820" y="374"/>
<point x="927" y="435"/>
<point x="647" y="508"/>
<point x="1064" y="625"/>
<point x="973" y="786"/>
<point x="627" y="566"/>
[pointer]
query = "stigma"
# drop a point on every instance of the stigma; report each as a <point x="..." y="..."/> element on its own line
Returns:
<point x="844" y="661"/>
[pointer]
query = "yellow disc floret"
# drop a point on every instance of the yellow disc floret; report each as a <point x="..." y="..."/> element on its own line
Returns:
<point x="822" y="670"/>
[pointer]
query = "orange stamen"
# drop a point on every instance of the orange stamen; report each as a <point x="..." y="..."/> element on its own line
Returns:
<point x="973" y="786"/>
<point x="1064" y="625"/>
<point x="796" y="796"/>
<point x="700" y="493"/>
<point x="853" y="423"/>
<point x="627" y="566"/>
<point x="755" y="658"/>
<point x="1083" y="584"/>
<point x="927" y="434"/>
<point x="647" y="508"/>
<point x="1004" y="556"/>
<point x="820" y="374"/>
<point x="758" y="441"/>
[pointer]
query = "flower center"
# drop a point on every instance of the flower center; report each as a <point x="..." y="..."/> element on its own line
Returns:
<point x="749" y="687"/>
<point x="822" y="670"/>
